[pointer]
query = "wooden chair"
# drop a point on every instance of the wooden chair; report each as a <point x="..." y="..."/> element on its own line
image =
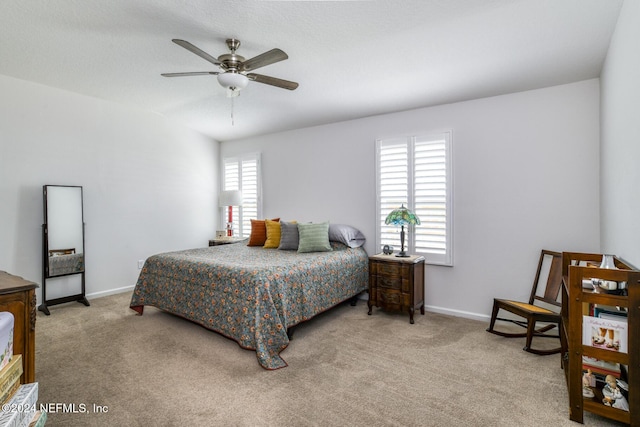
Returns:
<point x="531" y="311"/>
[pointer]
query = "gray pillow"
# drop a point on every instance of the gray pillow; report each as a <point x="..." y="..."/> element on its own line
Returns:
<point x="314" y="237"/>
<point x="288" y="236"/>
<point x="346" y="234"/>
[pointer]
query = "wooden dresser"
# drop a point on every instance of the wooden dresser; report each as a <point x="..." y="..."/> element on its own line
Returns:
<point x="396" y="283"/>
<point x="18" y="297"/>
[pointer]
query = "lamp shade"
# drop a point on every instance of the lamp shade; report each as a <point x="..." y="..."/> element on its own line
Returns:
<point x="230" y="198"/>
<point x="402" y="216"/>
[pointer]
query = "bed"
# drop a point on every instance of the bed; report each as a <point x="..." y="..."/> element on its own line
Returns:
<point x="251" y="294"/>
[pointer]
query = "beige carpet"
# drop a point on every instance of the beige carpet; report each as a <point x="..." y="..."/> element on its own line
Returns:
<point x="345" y="369"/>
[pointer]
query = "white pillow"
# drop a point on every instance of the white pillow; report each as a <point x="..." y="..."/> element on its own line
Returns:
<point x="346" y="234"/>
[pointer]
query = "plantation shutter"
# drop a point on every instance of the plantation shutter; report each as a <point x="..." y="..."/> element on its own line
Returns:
<point x="416" y="171"/>
<point x="249" y="195"/>
<point x="430" y="195"/>
<point x="393" y="190"/>
<point x="243" y="174"/>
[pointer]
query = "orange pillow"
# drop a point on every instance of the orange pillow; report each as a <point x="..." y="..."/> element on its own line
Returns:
<point x="273" y="234"/>
<point x="258" y="234"/>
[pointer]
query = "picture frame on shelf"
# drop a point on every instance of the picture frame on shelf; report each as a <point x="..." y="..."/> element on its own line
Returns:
<point x="605" y="333"/>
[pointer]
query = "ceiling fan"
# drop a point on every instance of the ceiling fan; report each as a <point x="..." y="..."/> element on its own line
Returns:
<point x="233" y="75"/>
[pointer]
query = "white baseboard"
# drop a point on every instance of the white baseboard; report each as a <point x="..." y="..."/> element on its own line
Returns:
<point x="110" y="292"/>
<point x="458" y="313"/>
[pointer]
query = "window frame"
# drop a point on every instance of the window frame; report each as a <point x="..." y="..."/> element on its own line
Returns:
<point x="409" y="142"/>
<point x="241" y="223"/>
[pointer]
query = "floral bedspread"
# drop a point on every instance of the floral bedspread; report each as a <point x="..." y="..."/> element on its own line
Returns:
<point x="251" y="294"/>
<point x="66" y="264"/>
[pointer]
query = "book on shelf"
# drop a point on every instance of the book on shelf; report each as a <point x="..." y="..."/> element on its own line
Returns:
<point x="601" y="367"/>
<point x="4" y="398"/>
<point x="24" y="401"/>
<point x="610" y="312"/>
<point x="39" y="419"/>
<point x="609" y="334"/>
<point x="10" y="375"/>
<point x="6" y="337"/>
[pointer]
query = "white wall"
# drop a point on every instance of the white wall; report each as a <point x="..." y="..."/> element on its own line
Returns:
<point x="525" y="166"/>
<point x="149" y="185"/>
<point x="620" y="150"/>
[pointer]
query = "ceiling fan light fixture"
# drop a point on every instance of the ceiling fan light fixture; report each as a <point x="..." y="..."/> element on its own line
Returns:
<point x="233" y="81"/>
<point x="233" y="67"/>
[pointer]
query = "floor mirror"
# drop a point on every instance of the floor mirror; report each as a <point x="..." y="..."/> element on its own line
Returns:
<point x="63" y="251"/>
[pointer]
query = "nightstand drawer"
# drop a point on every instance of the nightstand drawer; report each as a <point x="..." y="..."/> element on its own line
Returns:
<point x="387" y="269"/>
<point x="389" y="297"/>
<point x="388" y="282"/>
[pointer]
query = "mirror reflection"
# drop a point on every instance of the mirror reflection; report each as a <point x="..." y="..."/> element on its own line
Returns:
<point x="65" y="237"/>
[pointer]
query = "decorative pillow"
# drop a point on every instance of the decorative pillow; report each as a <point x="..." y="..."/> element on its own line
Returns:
<point x="314" y="237"/>
<point x="258" y="232"/>
<point x="289" y="236"/>
<point x="346" y="234"/>
<point x="273" y="233"/>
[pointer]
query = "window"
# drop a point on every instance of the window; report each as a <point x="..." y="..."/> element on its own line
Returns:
<point x="416" y="171"/>
<point x="243" y="173"/>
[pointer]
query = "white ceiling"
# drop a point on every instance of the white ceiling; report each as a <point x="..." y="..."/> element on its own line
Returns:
<point x="351" y="58"/>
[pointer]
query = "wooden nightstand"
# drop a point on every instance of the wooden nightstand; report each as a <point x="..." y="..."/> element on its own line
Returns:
<point x="396" y="283"/>
<point x="217" y="242"/>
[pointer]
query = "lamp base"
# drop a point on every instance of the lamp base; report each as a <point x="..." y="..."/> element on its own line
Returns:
<point x="402" y="253"/>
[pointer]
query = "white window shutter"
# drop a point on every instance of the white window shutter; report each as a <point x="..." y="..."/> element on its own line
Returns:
<point x="416" y="172"/>
<point x="243" y="173"/>
<point x="249" y="195"/>
<point x="431" y="197"/>
<point x="393" y="180"/>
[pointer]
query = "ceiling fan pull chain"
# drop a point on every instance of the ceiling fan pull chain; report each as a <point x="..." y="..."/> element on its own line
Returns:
<point x="232" y="121"/>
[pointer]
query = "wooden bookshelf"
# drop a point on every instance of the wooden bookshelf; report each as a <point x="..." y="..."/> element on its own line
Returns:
<point x="578" y="301"/>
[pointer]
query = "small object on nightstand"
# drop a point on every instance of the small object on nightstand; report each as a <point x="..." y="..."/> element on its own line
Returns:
<point x="387" y="249"/>
<point x="226" y="241"/>
<point x="396" y="283"/>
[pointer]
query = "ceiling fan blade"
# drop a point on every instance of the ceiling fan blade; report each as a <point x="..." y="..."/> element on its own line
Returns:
<point x="201" y="53"/>
<point x="267" y="58"/>
<point x="285" y="84"/>
<point x="194" y="73"/>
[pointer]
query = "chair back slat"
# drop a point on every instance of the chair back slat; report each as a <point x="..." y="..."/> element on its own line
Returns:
<point x="553" y="282"/>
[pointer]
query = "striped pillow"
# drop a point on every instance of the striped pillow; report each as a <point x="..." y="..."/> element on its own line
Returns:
<point x="314" y="237"/>
<point x="273" y="233"/>
<point x="289" y="236"/>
